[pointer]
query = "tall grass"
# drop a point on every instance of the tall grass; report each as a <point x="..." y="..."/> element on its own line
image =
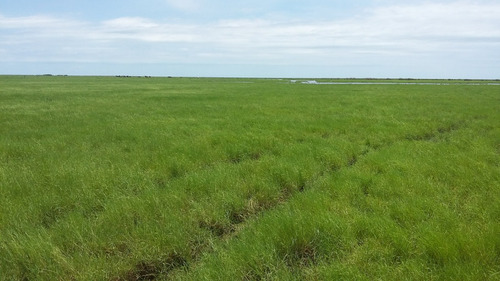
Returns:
<point x="105" y="178"/>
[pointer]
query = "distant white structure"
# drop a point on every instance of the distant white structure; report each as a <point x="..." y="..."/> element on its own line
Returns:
<point x="310" y="82"/>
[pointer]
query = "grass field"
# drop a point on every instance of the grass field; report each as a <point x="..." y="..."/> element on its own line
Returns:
<point x="106" y="178"/>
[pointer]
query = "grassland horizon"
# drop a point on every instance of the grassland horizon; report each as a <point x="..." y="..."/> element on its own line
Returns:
<point x="305" y="78"/>
<point x="158" y="178"/>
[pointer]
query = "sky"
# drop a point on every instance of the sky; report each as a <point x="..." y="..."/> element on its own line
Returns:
<point x="259" y="38"/>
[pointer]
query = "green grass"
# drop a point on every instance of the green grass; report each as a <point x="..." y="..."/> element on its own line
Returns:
<point x="105" y="178"/>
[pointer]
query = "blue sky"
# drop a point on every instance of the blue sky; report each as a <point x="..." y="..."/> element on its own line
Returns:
<point x="260" y="38"/>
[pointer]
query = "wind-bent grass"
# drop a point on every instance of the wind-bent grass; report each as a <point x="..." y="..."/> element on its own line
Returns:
<point x="105" y="178"/>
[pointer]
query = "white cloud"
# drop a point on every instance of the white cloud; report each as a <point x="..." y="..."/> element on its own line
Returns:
<point x="129" y="23"/>
<point x="26" y="22"/>
<point x="140" y="29"/>
<point x="435" y="19"/>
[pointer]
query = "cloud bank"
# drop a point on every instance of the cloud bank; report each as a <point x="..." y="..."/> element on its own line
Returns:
<point x="383" y="38"/>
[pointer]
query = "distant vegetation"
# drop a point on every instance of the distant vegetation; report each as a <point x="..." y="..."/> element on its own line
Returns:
<point x="247" y="179"/>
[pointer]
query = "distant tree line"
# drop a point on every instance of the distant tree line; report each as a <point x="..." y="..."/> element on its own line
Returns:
<point x="128" y="76"/>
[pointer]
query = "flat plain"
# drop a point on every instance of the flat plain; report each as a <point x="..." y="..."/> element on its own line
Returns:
<point x="112" y="178"/>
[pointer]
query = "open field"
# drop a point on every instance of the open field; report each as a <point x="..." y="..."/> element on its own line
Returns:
<point x="105" y="178"/>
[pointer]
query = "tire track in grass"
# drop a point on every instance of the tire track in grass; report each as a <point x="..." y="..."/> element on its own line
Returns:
<point x="425" y="136"/>
<point x="145" y="270"/>
<point x="151" y="270"/>
<point x="162" y="267"/>
<point x="238" y="217"/>
<point x="433" y="135"/>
